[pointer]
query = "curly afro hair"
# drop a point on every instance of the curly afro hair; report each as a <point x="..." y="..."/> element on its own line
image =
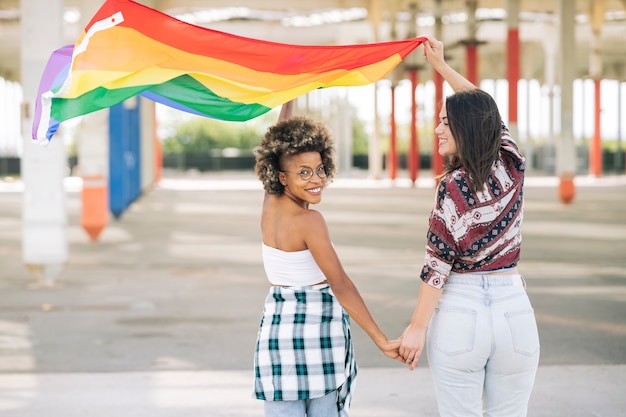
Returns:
<point x="291" y="137"/>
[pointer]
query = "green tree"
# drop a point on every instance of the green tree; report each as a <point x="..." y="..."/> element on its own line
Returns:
<point x="360" y="137"/>
<point x="200" y="135"/>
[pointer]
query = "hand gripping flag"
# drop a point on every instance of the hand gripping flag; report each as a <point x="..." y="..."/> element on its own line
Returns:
<point x="129" y="49"/>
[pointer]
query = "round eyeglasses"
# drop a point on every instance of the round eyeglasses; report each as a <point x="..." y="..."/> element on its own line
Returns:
<point x="307" y="173"/>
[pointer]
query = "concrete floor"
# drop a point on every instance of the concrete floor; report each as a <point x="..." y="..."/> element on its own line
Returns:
<point x="160" y="316"/>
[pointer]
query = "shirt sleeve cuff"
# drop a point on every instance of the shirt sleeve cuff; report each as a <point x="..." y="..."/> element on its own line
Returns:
<point x="434" y="278"/>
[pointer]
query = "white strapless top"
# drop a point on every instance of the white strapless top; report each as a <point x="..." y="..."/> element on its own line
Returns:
<point x="291" y="269"/>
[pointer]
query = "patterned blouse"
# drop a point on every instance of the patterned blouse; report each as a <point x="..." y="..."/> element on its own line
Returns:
<point x="477" y="232"/>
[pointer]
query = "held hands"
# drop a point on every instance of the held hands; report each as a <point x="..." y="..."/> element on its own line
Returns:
<point x="412" y="345"/>
<point x="390" y="349"/>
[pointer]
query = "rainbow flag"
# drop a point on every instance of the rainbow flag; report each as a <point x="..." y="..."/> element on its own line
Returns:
<point x="129" y="49"/>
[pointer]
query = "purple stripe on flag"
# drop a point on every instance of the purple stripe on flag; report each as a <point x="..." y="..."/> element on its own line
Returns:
<point x="54" y="75"/>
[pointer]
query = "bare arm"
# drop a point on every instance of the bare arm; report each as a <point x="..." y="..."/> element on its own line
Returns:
<point x="286" y="111"/>
<point x="319" y="243"/>
<point x="414" y="337"/>
<point x="433" y="51"/>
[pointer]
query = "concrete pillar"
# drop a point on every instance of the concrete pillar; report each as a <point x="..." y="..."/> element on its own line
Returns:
<point x="93" y="156"/>
<point x="148" y="144"/>
<point x="93" y="164"/>
<point x="566" y="151"/>
<point x="412" y="66"/>
<point x="550" y="48"/>
<point x="347" y="139"/>
<point x="44" y="212"/>
<point x="395" y="76"/>
<point x="619" y="153"/>
<point x="93" y="153"/>
<point x="150" y="148"/>
<point x="413" y="158"/>
<point x="341" y="126"/>
<point x="375" y="15"/>
<point x="374" y="154"/>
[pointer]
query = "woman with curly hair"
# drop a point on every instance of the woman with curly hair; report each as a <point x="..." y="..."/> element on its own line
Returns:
<point x="473" y="312"/>
<point x="304" y="359"/>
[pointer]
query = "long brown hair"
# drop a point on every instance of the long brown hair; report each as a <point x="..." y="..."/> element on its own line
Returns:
<point x="476" y="125"/>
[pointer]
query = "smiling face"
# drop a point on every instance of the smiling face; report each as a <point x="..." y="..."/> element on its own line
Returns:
<point x="447" y="143"/>
<point x="303" y="192"/>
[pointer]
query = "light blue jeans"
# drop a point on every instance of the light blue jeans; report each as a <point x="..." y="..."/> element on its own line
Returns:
<point x="483" y="347"/>
<point x="325" y="406"/>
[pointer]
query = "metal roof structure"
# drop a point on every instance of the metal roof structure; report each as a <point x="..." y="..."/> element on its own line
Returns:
<point x="593" y="44"/>
<point x="364" y="21"/>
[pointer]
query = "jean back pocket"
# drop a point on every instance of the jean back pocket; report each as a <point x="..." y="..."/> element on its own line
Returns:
<point x="454" y="330"/>
<point x="524" y="331"/>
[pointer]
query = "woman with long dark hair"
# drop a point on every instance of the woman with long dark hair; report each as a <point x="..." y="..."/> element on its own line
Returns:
<point x="473" y="312"/>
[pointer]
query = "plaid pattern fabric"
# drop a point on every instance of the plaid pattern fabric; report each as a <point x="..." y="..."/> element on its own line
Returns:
<point x="304" y="347"/>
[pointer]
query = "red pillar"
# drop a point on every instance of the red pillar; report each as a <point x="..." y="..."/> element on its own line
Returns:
<point x="567" y="188"/>
<point x="413" y="160"/>
<point x="95" y="203"/>
<point x="437" y="159"/>
<point x="158" y="160"/>
<point x="595" y="150"/>
<point x="512" y="72"/>
<point x="471" y="43"/>
<point x="471" y="62"/>
<point x="392" y="156"/>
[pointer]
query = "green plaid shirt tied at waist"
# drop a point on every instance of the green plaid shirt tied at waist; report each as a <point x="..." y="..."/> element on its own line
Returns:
<point x="304" y="347"/>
